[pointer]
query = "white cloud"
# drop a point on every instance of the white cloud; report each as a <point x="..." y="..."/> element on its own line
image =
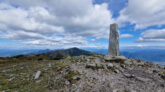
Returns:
<point x="22" y="35"/>
<point x="60" y="7"/>
<point x="20" y="19"/>
<point x="126" y="35"/>
<point x="152" y="36"/>
<point x="41" y="21"/>
<point x="143" y="13"/>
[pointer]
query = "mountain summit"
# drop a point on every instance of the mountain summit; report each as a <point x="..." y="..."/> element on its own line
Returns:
<point x="58" y="54"/>
<point x="96" y="73"/>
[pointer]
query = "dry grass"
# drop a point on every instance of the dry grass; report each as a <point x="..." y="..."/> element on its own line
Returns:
<point x="17" y="75"/>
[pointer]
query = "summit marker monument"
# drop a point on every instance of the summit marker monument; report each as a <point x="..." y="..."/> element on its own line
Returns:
<point x="113" y="49"/>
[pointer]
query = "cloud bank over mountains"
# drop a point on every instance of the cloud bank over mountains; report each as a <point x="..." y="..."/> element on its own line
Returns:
<point x="152" y="36"/>
<point x="57" y="22"/>
<point x="68" y="23"/>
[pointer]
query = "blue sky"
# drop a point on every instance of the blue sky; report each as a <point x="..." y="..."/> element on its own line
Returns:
<point x="75" y="23"/>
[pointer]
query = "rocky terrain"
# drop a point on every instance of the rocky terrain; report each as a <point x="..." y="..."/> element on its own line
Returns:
<point x="96" y="73"/>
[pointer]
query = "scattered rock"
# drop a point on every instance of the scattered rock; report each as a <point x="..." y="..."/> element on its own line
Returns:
<point x="90" y="65"/>
<point x="94" y="66"/>
<point x="115" y="58"/>
<point x="22" y="68"/>
<point x="76" y="78"/>
<point x="82" y="57"/>
<point x="155" y="71"/>
<point x="123" y="66"/>
<point x="11" y="75"/>
<point x="97" y="60"/>
<point x="45" y="68"/>
<point x="120" y="58"/>
<point x="140" y="63"/>
<point x="107" y="58"/>
<point x="127" y="62"/>
<point x="49" y="65"/>
<point x="162" y="76"/>
<point x="162" y="85"/>
<point x="38" y="81"/>
<point x="88" y="60"/>
<point x="132" y="91"/>
<point x="67" y="82"/>
<point x="104" y="66"/>
<point x="37" y="75"/>
<point x="142" y="79"/>
<point x="116" y="71"/>
<point x="115" y="90"/>
<point x="120" y="69"/>
<point x="109" y="65"/>
<point x="4" y="71"/>
<point x="129" y="75"/>
<point x="11" y="78"/>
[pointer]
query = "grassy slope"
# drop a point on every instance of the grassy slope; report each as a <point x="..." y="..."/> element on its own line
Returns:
<point x="19" y="76"/>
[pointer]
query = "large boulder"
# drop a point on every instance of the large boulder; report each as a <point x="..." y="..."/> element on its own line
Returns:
<point x="112" y="58"/>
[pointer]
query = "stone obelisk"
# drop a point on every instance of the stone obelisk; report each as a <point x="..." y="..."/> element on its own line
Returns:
<point x="113" y="49"/>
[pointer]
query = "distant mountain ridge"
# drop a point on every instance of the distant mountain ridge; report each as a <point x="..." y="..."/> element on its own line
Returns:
<point x="147" y="55"/>
<point x="151" y="55"/>
<point x="57" y="54"/>
<point x="15" y="52"/>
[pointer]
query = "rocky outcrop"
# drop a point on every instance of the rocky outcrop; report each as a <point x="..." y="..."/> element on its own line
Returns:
<point x="37" y="75"/>
<point x="118" y="74"/>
